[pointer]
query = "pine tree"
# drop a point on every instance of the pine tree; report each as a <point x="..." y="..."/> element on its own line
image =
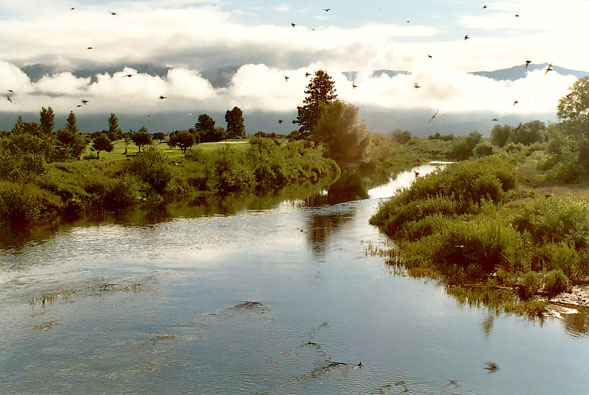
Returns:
<point x="320" y="91"/>
<point x="71" y="123"/>
<point x="47" y="120"/>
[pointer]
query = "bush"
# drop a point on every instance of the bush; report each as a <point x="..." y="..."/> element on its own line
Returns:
<point x="483" y="149"/>
<point x="555" y="282"/>
<point x="18" y="205"/>
<point x="152" y="167"/>
<point x="530" y="284"/>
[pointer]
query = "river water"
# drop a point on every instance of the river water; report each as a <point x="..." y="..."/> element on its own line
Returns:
<point x="277" y="300"/>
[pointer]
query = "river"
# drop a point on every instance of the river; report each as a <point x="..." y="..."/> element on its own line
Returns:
<point x="283" y="299"/>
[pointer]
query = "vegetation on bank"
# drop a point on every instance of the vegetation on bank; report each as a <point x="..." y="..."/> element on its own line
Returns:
<point x="69" y="190"/>
<point x="507" y="227"/>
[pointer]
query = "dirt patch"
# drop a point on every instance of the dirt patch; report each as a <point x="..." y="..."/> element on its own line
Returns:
<point x="578" y="296"/>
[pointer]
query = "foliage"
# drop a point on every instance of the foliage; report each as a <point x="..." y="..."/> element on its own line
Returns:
<point x="483" y="149"/>
<point x="529" y="133"/>
<point x="320" y="91"/>
<point x="18" y="205"/>
<point x="152" y="168"/>
<point x="102" y="143"/>
<point x="345" y="140"/>
<point x="73" y="143"/>
<point x="555" y="282"/>
<point x="47" y="120"/>
<point x="182" y="139"/>
<point x="500" y="135"/>
<point x="205" y="124"/>
<point x="401" y="136"/>
<point x="160" y="136"/>
<point x="71" y="123"/>
<point x="235" y="126"/>
<point x="114" y="131"/>
<point x="141" y="138"/>
<point x="463" y="147"/>
<point x="574" y="108"/>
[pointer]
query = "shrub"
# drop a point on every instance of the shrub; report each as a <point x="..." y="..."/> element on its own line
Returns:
<point x="555" y="282"/>
<point x="530" y="284"/>
<point x="18" y="205"/>
<point x="152" y="167"/>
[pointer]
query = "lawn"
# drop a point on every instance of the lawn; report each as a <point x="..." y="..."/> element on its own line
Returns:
<point x="118" y="153"/>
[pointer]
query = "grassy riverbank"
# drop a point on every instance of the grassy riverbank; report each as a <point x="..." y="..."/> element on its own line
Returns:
<point x="66" y="191"/>
<point x="495" y="231"/>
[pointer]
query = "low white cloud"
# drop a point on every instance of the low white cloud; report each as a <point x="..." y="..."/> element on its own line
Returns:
<point x="258" y="87"/>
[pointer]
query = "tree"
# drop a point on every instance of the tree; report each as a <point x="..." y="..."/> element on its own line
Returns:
<point x="141" y="138"/>
<point x="320" y="91"/>
<point x="47" y="120"/>
<point x="500" y="135"/>
<point x="102" y="143"/>
<point x="205" y="124"/>
<point x="71" y="123"/>
<point x="338" y="129"/>
<point x="73" y="143"/>
<point x="529" y="133"/>
<point x="182" y="139"/>
<point x="401" y="136"/>
<point x="160" y="136"/>
<point x="114" y="131"/>
<point x="127" y="138"/>
<point x="574" y="109"/>
<point x="234" y="119"/>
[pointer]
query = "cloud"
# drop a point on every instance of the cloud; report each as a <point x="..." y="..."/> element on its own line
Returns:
<point x="261" y="88"/>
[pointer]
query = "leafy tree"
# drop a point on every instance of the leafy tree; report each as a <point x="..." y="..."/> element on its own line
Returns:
<point x="320" y="91"/>
<point x="114" y="131"/>
<point x="141" y="138"/>
<point x="529" y="133"/>
<point x="401" y="136"/>
<point x="73" y="143"/>
<point x="463" y="147"/>
<point x="500" y="135"/>
<point x="339" y="131"/>
<point x="47" y="120"/>
<point x="127" y="138"/>
<point x="235" y="126"/>
<point x="182" y="139"/>
<point x="71" y="123"/>
<point x="160" y="136"/>
<point x="574" y="108"/>
<point x="205" y="124"/>
<point x="102" y="143"/>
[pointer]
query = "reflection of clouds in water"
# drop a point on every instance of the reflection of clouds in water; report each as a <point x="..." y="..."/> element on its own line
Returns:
<point x="402" y="180"/>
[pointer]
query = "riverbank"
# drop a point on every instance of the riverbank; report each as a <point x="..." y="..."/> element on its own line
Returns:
<point x="487" y="240"/>
<point x="68" y="191"/>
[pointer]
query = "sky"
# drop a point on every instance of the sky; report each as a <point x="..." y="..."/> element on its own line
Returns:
<point x="213" y="55"/>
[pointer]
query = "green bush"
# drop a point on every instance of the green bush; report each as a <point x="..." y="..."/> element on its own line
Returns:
<point x="19" y="206"/>
<point x="555" y="282"/>
<point x="152" y="167"/>
<point x="530" y="284"/>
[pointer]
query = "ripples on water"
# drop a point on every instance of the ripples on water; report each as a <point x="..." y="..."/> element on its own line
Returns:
<point x="169" y="308"/>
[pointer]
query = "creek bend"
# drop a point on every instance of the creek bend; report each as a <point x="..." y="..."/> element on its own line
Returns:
<point x="275" y="300"/>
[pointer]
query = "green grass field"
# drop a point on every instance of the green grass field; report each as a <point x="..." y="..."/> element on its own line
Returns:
<point x="118" y="153"/>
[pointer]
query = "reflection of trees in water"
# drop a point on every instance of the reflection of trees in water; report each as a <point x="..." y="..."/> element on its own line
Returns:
<point x="577" y="325"/>
<point x="146" y="214"/>
<point x="350" y="186"/>
<point x="321" y="227"/>
<point x="488" y="323"/>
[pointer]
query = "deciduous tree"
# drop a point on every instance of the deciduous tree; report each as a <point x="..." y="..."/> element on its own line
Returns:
<point x="235" y="126"/>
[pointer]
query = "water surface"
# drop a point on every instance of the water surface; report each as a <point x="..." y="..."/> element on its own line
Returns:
<point x="273" y="300"/>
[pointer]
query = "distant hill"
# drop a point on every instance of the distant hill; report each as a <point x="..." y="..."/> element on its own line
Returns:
<point x="517" y="72"/>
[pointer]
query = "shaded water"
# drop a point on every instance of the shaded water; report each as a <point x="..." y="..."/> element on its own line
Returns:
<point x="272" y="300"/>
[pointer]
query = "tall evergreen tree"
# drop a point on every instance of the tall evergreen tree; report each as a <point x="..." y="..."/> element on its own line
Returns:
<point x="320" y="91"/>
<point x="71" y="123"/>
<point x="114" y="131"/>
<point x="47" y="120"/>
<point x="235" y="126"/>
